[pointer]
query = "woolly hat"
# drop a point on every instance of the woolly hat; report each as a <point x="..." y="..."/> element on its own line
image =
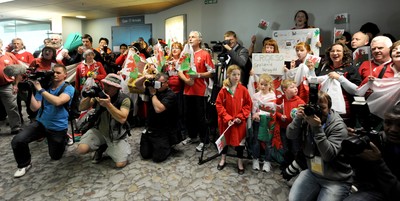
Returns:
<point x="112" y="80"/>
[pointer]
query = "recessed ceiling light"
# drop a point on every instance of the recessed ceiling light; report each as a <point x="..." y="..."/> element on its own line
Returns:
<point x="78" y="16"/>
<point x="5" y="1"/>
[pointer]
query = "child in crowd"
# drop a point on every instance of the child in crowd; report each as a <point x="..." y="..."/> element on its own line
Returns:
<point x="289" y="103"/>
<point x="302" y="49"/>
<point x="263" y="116"/>
<point x="233" y="106"/>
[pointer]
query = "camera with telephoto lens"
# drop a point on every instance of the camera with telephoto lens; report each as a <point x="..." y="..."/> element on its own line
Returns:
<point x="356" y="144"/>
<point x="312" y="108"/>
<point x="152" y="83"/>
<point x="295" y="167"/>
<point x="94" y="92"/>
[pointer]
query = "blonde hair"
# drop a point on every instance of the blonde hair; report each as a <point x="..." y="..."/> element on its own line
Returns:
<point x="231" y="68"/>
<point x="268" y="79"/>
<point x="286" y="83"/>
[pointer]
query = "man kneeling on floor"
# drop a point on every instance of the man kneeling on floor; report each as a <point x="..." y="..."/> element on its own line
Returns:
<point x="111" y="128"/>
<point x="51" y="121"/>
<point x="162" y="119"/>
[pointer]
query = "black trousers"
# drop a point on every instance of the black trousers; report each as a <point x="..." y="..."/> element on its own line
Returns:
<point x="155" y="145"/>
<point x="195" y="115"/>
<point x="57" y="140"/>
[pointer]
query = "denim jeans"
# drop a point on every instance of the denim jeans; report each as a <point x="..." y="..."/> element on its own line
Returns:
<point x="256" y="144"/>
<point x="309" y="187"/>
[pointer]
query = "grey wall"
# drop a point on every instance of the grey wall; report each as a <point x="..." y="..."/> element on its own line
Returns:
<point x="243" y="16"/>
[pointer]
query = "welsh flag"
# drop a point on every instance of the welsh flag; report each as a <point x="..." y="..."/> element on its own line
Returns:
<point x="186" y="60"/>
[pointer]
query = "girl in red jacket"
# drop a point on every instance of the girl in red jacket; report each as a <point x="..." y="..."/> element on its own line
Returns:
<point x="233" y="105"/>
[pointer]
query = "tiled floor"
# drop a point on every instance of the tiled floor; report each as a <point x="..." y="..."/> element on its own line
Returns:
<point x="180" y="177"/>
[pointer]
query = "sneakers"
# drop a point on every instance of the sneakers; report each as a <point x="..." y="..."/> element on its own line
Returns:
<point x="22" y="171"/>
<point x="267" y="166"/>
<point x="201" y="146"/>
<point x="70" y="142"/>
<point x="189" y="140"/>
<point x="97" y="157"/>
<point x="256" y="164"/>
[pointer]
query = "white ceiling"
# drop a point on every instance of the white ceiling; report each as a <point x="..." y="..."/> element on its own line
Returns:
<point x="92" y="9"/>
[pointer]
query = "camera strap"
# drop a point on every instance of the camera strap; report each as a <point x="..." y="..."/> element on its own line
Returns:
<point x="382" y="71"/>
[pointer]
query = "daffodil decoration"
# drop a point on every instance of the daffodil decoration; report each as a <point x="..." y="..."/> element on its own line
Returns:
<point x="90" y="74"/>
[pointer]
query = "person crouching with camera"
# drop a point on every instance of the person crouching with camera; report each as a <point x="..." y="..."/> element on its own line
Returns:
<point x="111" y="128"/>
<point x="162" y="119"/>
<point x="377" y="167"/>
<point x="51" y="121"/>
<point x="321" y="131"/>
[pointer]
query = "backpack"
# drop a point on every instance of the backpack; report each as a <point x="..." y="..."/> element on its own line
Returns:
<point x="73" y="108"/>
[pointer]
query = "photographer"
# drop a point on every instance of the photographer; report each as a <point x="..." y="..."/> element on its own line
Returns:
<point x="111" y="128"/>
<point x="52" y="121"/>
<point x="238" y="54"/>
<point x="377" y="171"/>
<point x="162" y="119"/>
<point x="321" y="131"/>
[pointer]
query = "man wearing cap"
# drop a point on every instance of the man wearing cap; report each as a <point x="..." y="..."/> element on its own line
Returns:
<point x="51" y="121"/>
<point x="111" y="127"/>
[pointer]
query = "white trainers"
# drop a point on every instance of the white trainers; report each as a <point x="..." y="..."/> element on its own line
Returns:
<point x="201" y="146"/>
<point x="70" y="142"/>
<point x="256" y="164"/>
<point x="189" y="140"/>
<point x="267" y="166"/>
<point x="22" y="171"/>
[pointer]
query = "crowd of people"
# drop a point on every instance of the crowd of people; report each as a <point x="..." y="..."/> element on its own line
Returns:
<point x="279" y="121"/>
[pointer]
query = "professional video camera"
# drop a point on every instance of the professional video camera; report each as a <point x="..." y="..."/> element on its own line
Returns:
<point x="218" y="45"/>
<point x="45" y="79"/>
<point x="152" y="83"/>
<point x="93" y="92"/>
<point x="312" y="108"/>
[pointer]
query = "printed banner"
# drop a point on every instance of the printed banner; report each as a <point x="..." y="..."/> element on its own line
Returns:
<point x="288" y="39"/>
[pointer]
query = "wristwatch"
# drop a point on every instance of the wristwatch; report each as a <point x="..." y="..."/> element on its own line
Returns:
<point x="198" y="75"/>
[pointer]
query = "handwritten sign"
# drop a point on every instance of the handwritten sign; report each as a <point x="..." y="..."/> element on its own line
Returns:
<point x="268" y="63"/>
<point x="288" y="39"/>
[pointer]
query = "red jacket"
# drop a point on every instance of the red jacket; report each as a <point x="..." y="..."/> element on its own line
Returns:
<point x="288" y="105"/>
<point x="230" y="107"/>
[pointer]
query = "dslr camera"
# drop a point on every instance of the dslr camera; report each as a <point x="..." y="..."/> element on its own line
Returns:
<point x="152" y="83"/>
<point x="356" y="144"/>
<point x="312" y="108"/>
<point x="94" y="92"/>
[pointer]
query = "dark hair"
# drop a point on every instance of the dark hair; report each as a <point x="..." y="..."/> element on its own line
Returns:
<point x="347" y="55"/>
<point x="105" y="39"/>
<point x="123" y="45"/>
<point x="87" y="36"/>
<point x="230" y="33"/>
<point x="306" y="14"/>
<point x="392" y="38"/>
<point x="265" y="39"/>
<point x="347" y="35"/>
<point x="161" y="74"/>
<point x="52" y="49"/>
<point x="370" y="27"/>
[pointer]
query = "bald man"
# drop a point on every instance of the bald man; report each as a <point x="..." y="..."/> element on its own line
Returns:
<point x="359" y="39"/>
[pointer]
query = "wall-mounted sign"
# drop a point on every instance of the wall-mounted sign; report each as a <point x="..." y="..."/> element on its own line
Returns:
<point x="126" y="20"/>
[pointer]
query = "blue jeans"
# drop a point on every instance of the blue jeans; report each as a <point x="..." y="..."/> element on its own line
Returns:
<point x="256" y="144"/>
<point x="366" y="196"/>
<point x="310" y="187"/>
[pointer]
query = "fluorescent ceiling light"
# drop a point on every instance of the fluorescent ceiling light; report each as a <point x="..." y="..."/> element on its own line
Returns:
<point x="5" y="1"/>
<point x="78" y="16"/>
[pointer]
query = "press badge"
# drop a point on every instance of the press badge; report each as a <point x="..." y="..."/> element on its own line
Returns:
<point x="317" y="165"/>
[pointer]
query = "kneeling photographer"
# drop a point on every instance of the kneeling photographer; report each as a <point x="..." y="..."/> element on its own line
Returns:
<point x="52" y="120"/>
<point x="321" y="131"/>
<point x="375" y="158"/>
<point x="111" y="127"/>
<point x="162" y="119"/>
